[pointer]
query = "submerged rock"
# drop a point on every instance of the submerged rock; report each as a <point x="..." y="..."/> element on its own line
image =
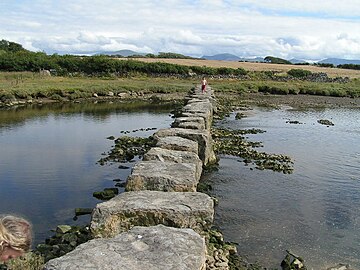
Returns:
<point x="106" y="194"/>
<point x="340" y="266"/>
<point x="325" y="122"/>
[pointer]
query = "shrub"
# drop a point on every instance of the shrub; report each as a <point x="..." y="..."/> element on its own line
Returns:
<point x="299" y="73"/>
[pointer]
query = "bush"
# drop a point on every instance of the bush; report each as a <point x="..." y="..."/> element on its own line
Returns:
<point x="299" y="73"/>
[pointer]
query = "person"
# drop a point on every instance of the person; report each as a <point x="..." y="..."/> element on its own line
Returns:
<point x="15" y="237"/>
<point x="203" y="85"/>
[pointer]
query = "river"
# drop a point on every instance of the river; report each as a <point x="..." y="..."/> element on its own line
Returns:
<point x="49" y="154"/>
<point x="48" y="167"/>
<point x="314" y="212"/>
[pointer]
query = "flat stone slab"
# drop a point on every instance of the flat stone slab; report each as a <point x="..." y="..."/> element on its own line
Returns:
<point x="151" y="248"/>
<point x="202" y="137"/>
<point x="189" y="122"/>
<point x="203" y="106"/>
<point x="207" y="116"/>
<point x="178" y="143"/>
<point x="166" y="155"/>
<point x="162" y="176"/>
<point x="193" y="210"/>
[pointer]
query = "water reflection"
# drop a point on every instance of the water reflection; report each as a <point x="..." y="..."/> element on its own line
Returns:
<point x="313" y="212"/>
<point x="48" y="156"/>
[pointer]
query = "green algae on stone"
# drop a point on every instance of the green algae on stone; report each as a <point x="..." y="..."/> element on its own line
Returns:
<point x="126" y="148"/>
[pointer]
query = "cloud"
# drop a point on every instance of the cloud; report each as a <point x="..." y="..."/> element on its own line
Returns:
<point x="246" y="28"/>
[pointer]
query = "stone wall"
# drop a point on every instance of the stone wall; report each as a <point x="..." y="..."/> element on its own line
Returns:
<point x="158" y="222"/>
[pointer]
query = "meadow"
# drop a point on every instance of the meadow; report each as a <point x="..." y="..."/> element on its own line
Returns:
<point x="259" y="78"/>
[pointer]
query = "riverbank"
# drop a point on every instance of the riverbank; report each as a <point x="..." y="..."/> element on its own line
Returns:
<point x="21" y="88"/>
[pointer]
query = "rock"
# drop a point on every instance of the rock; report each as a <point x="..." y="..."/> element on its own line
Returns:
<point x="63" y="229"/>
<point x="95" y="95"/>
<point x="151" y="248"/>
<point x="325" y="122"/>
<point x="110" y="94"/>
<point x="106" y="194"/>
<point x="45" y="73"/>
<point x="83" y="211"/>
<point x="179" y="120"/>
<point x="162" y="176"/>
<point x="166" y="155"/>
<point x="177" y="143"/>
<point x="123" y="95"/>
<point x="189" y="124"/>
<point x="193" y="210"/>
<point x="202" y="137"/>
<point x="205" y="116"/>
<point x="198" y="106"/>
<point x="340" y="266"/>
<point x="240" y="115"/>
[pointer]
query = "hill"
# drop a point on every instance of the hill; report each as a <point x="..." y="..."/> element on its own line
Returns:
<point x="222" y="57"/>
<point x="124" y="53"/>
<point x="339" y="61"/>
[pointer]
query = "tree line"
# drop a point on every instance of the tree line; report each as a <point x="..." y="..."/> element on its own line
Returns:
<point x="13" y="57"/>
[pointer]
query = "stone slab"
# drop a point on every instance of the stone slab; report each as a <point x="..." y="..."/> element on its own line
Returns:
<point x="189" y="122"/>
<point x="151" y="248"/>
<point x="166" y="155"/>
<point x="193" y="210"/>
<point x="202" y="137"/>
<point x="205" y="115"/>
<point x="178" y="143"/>
<point x="162" y="176"/>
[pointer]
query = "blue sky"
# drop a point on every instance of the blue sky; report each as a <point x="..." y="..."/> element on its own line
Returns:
<point x="306" y="29"/>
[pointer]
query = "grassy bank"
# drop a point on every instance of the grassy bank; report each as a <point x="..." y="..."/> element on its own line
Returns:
<point x="27" y="86"/>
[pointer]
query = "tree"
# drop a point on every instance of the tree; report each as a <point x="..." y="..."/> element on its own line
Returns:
<point x="10" y="46"/>
<point x="276" y="60"/>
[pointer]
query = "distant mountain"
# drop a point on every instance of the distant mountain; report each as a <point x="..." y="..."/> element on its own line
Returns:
<point x="339" y="61"/>
<point x="256" y="59"/>
<point x="297" y="61"/>
<point x="231" y="57"/>
<point x="124" y="53"/>
<point x="222" y="56"/>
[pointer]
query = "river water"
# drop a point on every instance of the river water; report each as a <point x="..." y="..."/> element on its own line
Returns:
<point x="314" y="212"/>
<point x="49" y="154"/>
<point x="48" y="167"/>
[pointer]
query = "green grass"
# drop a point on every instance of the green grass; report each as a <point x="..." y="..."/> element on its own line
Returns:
<point x="27" y="85"/>
<point x="351" y="89"/>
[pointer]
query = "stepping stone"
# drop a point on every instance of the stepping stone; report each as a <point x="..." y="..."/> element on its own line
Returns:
<point x="178" y="143"/>
<point x="202" y="137"/>
<point x="166" y="155"/>
<point x="151" y="248"/>
<point x="162" y="176"/>
<point x="193" y="210"/>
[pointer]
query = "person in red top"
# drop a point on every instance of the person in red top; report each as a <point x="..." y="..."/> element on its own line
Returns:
<point x="203" y="85"/>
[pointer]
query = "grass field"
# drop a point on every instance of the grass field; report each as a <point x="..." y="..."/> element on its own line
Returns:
<point x="332" y="72"/>
<point x="27" y="85"/>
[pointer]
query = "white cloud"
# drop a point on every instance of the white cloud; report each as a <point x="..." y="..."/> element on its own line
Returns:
<point x="246" y="28"/>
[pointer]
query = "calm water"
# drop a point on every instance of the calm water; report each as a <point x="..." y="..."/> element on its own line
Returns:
<point x="314" y="212"/>
<point x="48" y="157"/>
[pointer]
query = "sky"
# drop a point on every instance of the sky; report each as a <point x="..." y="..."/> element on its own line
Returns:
<point x="302" y="29"/>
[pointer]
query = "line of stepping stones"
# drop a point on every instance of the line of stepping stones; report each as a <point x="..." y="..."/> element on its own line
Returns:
<point x="157" y="222"/>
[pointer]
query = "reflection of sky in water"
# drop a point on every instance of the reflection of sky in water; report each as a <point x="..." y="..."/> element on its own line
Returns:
<point x="48" y="164"/>
<point x="315" y="212"/>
